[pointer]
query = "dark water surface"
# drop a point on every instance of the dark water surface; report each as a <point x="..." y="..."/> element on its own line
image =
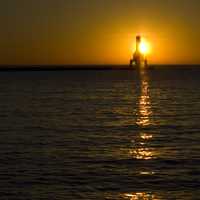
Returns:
<point x="100" y="135"/>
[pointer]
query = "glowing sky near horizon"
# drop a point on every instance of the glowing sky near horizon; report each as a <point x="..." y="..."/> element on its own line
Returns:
<point x="98" y="31"/>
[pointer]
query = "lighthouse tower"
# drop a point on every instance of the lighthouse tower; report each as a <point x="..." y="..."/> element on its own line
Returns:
<point x="139" y="59"/>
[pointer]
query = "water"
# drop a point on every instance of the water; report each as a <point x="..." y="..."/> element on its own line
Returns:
<point x="100" y="134"/>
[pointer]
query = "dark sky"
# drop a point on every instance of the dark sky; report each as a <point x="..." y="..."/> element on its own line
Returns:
<point x="98" y="31"/>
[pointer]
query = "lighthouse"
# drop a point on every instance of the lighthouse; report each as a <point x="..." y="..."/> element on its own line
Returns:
<point x="139" y="57"/>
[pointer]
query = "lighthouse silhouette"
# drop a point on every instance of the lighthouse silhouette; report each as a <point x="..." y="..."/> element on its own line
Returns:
<point x="139" y="59"/>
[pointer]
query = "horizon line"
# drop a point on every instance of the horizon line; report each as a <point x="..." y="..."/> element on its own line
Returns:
<point x="93" y="65"/>
<point x="57" y="67"/>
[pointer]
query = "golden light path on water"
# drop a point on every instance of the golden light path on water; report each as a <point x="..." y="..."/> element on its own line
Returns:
<point x="140" y="196"/>
<point x="141" y="149"/>
<point x="141" y="138"/>
<point x="144" y="108"/>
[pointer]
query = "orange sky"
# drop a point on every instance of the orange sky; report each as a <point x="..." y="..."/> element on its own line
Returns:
<point x="98" y="32"/>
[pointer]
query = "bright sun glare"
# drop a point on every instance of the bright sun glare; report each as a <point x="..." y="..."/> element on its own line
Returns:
<point x="144" y="47"/>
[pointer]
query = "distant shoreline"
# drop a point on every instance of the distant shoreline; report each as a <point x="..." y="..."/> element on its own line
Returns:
<point x="88" y="67"/>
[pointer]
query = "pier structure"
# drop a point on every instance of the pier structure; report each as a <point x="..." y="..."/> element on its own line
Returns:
<point x="139" y="59"/>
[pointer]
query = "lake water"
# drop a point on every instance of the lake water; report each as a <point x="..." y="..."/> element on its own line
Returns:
<point x="132" y="135"/>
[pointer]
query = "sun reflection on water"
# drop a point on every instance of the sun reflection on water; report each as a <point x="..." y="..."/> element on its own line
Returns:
<point x="146" y="136"/>
<point x="142" y="153"/>
<point x="142" y="149"/>
<point x="144" y="111"/>
<point x="140" y="196"/>
<point x="147" y="173"/>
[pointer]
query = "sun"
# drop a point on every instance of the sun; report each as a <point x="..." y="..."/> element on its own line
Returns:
<point x="144" y="47"/>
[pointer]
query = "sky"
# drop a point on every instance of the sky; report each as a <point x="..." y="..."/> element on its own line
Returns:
<point x="98" y="31"/>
